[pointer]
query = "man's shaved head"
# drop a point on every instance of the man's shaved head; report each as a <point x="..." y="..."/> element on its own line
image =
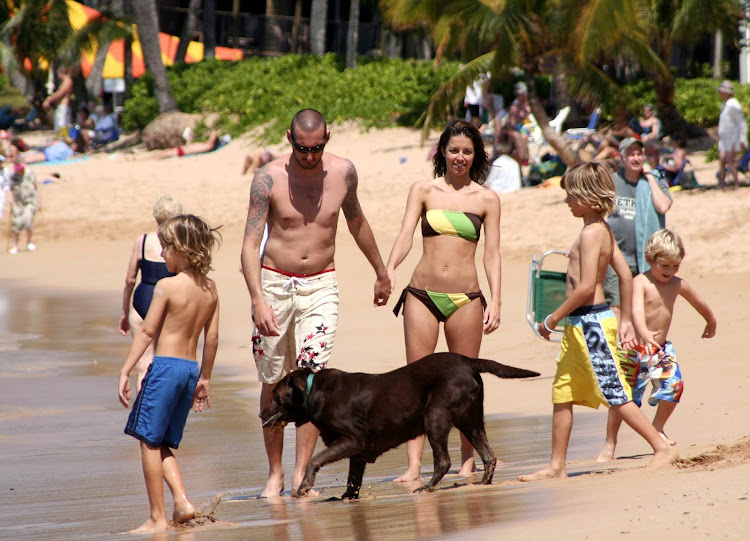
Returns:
<point x="308" y="120"/>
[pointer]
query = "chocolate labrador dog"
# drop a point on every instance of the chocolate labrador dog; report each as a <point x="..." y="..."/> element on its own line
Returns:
<point x="361" y="416"/>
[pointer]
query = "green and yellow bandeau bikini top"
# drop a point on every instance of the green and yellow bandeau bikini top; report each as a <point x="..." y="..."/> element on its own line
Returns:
<point x="450" y="222"/>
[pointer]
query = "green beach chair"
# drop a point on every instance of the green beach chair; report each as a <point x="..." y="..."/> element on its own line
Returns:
<point x="546" y="293"/>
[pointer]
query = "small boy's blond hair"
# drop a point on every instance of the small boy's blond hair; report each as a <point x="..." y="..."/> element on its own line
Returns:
<point x="166" y="207"/>
<point x="666" y="244"/>
<point x="192" y="238"/>
<point x="591" y="185"/>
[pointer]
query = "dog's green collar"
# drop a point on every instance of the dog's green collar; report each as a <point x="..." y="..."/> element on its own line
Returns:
<point x="309" y="385"/>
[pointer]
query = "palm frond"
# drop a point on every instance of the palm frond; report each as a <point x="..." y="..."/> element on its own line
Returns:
<point x="103" y="28"/>
<point x="452" y="90"/>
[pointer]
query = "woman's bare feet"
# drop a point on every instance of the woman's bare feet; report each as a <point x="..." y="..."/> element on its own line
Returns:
<point x="607" y="453"/>
<point x="274" y="486"/>
<point x="151" y="526"/>
<point x="411" y="474"/>
<point x="546" y="473"/>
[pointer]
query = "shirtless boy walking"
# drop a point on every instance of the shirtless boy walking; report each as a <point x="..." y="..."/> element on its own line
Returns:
<point x="184" y="307"/>
<point x="587" y="370"/>
<point x="653" y="361"/>
<point x="293" y="285"/>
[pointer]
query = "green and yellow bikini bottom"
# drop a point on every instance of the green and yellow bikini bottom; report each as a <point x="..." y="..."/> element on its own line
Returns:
<point x="442" y="305"/>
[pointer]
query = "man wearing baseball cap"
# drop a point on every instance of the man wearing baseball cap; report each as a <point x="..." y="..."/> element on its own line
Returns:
<point x="641" y="201"/>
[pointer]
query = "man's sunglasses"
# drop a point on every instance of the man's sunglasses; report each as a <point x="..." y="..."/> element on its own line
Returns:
<point x="309" y="150"/>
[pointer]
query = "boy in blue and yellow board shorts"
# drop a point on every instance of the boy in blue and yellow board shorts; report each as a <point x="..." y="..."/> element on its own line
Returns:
<point x="588" y="373"/>
<point x="653" y="362"/>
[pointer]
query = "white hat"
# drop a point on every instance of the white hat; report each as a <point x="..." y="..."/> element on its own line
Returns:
<point x="726" y="86"/>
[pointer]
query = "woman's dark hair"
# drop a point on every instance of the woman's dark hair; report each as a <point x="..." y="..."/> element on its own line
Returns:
<point x="481" y="164"/>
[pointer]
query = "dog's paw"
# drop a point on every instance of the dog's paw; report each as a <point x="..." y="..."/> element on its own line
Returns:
<point x="424" y="488"/>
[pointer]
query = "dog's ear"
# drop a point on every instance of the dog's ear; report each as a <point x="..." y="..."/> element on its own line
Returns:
<point x="298" y="379"/>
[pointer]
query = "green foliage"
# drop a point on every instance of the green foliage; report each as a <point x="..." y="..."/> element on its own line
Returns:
<point x="266" y="92"/>
<point x="696" y="99"/>
<point x="13" y="98"/>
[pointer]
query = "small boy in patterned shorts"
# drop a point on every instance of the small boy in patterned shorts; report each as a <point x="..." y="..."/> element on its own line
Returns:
<point x="653" y="361"/>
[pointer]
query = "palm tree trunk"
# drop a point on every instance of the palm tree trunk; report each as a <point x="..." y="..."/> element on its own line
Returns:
<point x="187" y="30"/>
<point x="352" y="35"/>
<point x="148" y="33"/>
<point x="209" y="29"/>
<point x="318" y="21"/>
<point x="555" y="140"/>
<point x="94" y="81"/>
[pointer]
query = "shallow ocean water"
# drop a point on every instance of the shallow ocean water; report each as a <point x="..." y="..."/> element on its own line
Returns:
<point x="68" y="471"/>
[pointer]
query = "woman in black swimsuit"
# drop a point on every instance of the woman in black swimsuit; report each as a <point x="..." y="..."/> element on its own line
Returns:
<point x="444" y="286"/>
<point x="146" y="257"/>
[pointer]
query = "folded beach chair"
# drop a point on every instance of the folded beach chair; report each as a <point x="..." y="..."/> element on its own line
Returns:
<point x="546" y="293"/>
<point x="578" y="133"/>
<point x="536" y="138"/>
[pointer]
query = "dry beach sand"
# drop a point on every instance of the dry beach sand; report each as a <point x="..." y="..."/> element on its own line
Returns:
<point x="84" y="235"/>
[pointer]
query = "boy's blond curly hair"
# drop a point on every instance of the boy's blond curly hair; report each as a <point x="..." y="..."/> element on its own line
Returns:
<point x="591" y="185"/>
<point x="192" y="238"/>
<point x="666" y="244"/>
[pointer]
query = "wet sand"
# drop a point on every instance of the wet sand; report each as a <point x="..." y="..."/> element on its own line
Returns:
<point x="69" y="472"/>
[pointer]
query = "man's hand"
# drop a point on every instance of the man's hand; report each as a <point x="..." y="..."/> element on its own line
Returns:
<point x="382" y="290"/>
<point x="123" y="390"/>
<point x="265" y="320"/>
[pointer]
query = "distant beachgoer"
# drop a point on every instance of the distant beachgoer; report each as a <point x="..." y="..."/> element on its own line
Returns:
<point x="473" y="101"/>
<point x="257" y="159"/>
<point x="146" y="257"/>
<point x="61" y="97"/>
<point x="641" y="203"/>
<point x="100" y="132"/>
<point x="185" y="309"/>
<point x="190" y="148"/>
<point x="732" y="133"/>
<point x="510" y="129"/>
<point x="54" y="151"/>
<point x="648" y="126"/>
<point x="25" y="203"/>
<point x="444" y="286"/>
<point x="652" y="361"/>
<point x="588" y="373"/>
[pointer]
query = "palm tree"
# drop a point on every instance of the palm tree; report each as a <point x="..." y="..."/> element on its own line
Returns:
<point x="41" y="34"/>
<point x="148" y="33"/>
<point x="352" y="34"/>
<point x="683" y="22"/>
<point x="209" y="29"/>
<point x="187" y="30"/>
<point x="318" y="21"/>
<point x="522" y="33"/>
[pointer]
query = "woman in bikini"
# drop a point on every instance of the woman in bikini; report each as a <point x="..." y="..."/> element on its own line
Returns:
<point x="444" y="287"/>
<point x="146" y="257"/>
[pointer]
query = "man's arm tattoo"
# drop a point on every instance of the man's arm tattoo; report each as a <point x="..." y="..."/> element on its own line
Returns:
<point x="350" y="206"/>
<point x="260" y="198"/>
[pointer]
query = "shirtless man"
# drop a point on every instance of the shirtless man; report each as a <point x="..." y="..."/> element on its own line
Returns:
<point x="62" y="98"/>
<point x="294" y="292"/>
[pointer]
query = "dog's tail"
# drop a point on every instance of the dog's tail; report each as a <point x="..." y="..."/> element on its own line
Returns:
<point x="501" y="370"/>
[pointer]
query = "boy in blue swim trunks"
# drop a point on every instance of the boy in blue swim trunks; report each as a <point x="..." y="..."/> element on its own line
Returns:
<point x="588" y="373"/>
<point x="653" y="361"/>
<point x="184" y="306"/>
